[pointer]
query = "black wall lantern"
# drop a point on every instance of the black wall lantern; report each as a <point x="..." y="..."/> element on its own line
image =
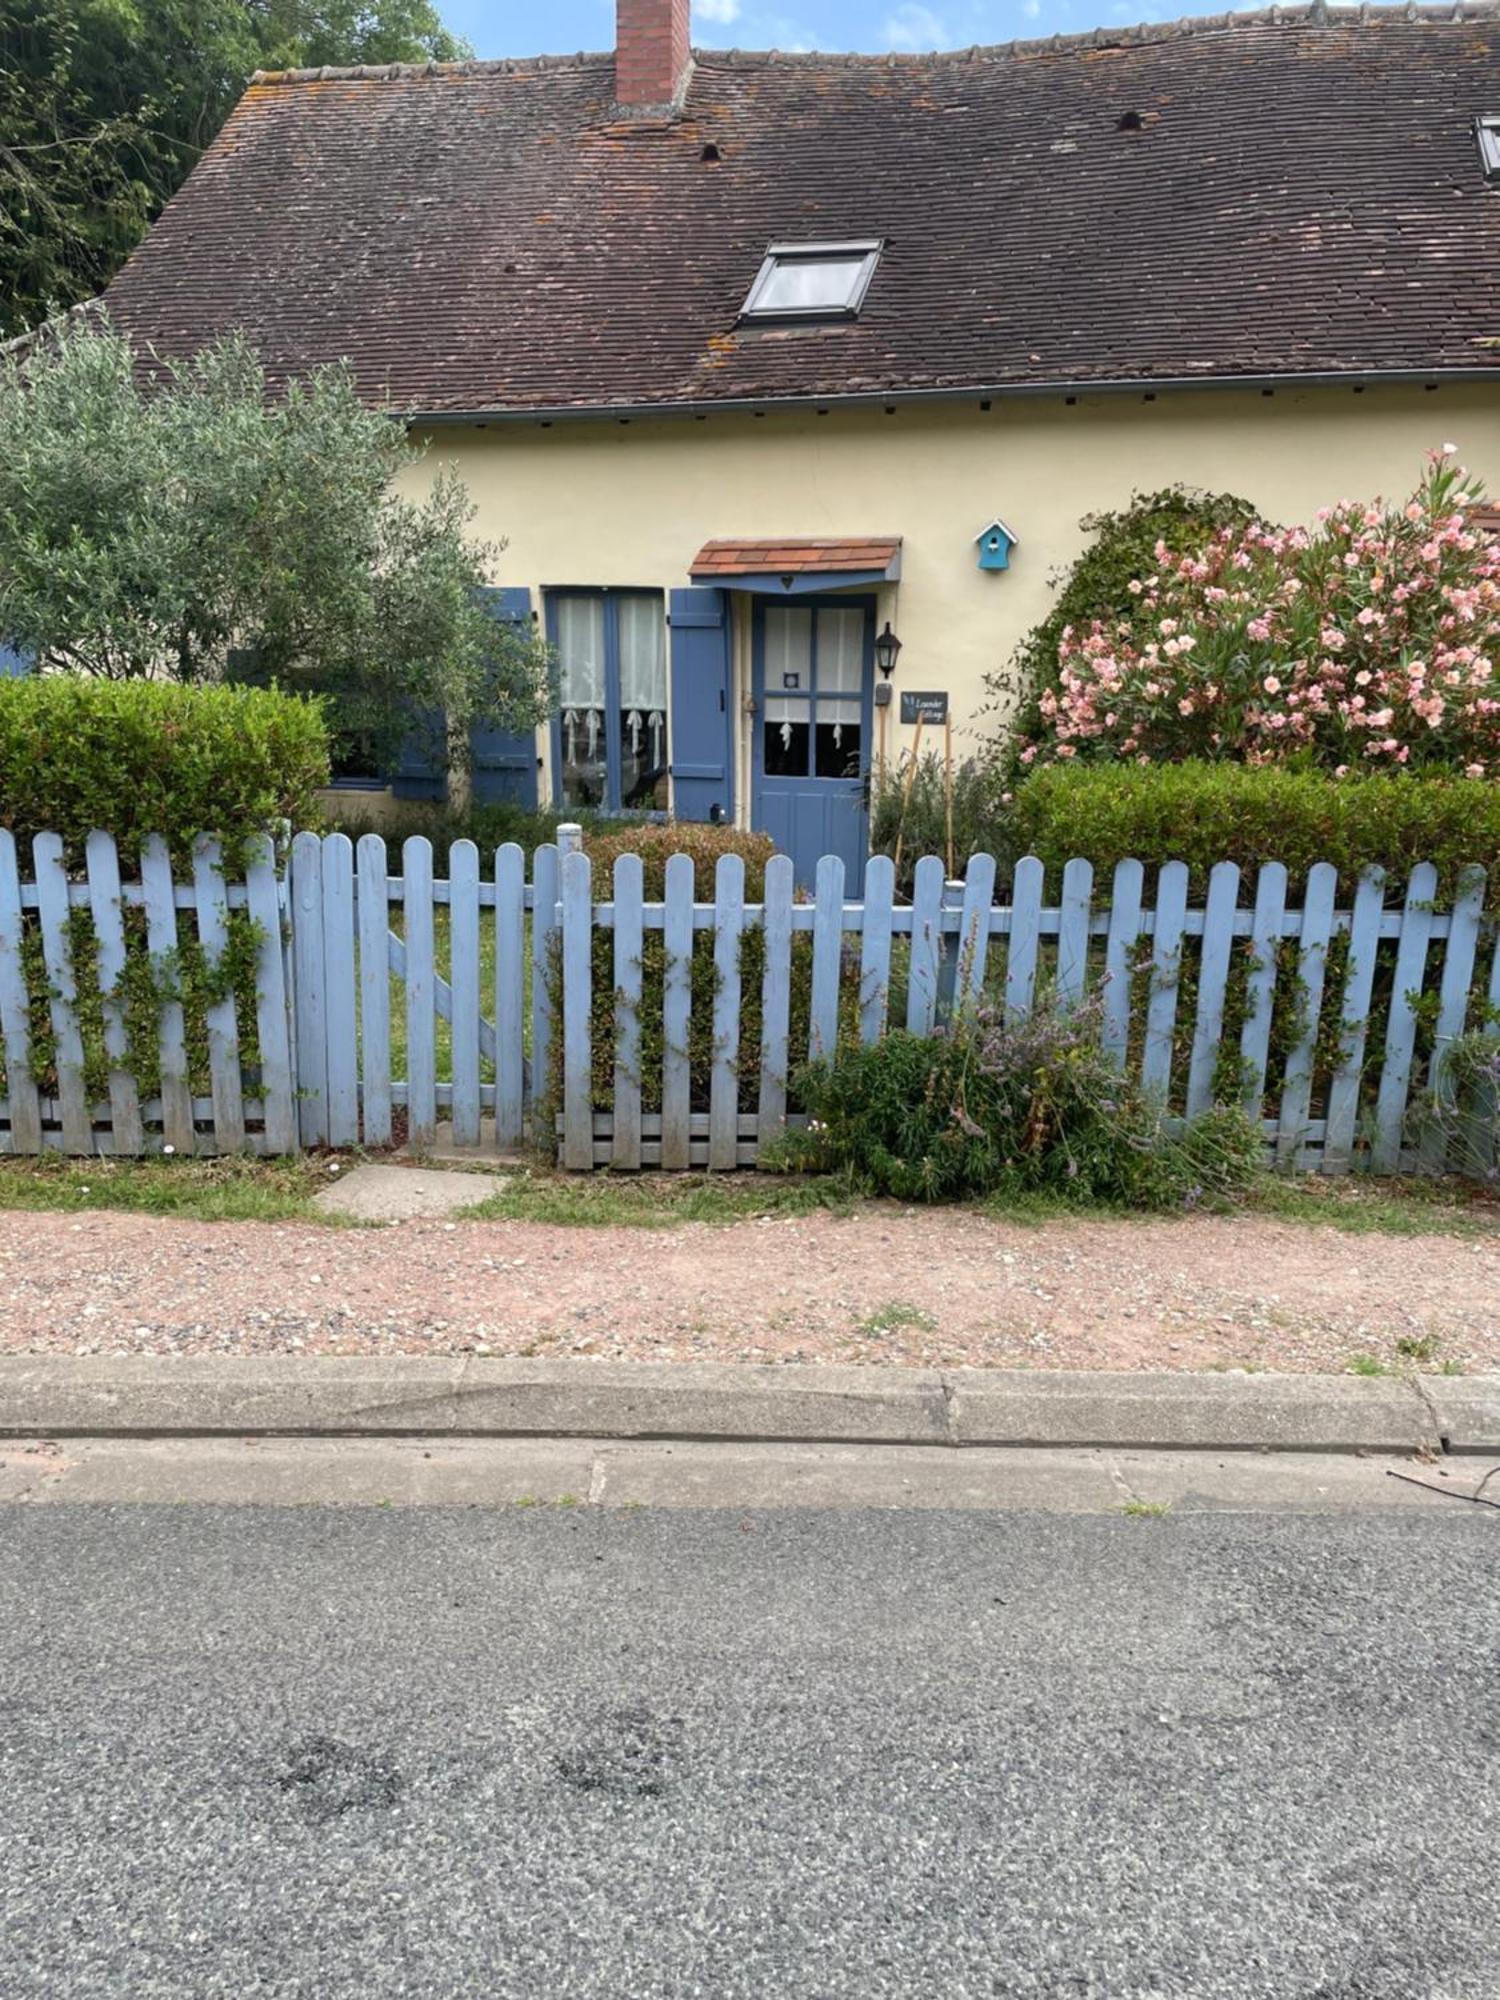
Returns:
<point x="887" y="648"/>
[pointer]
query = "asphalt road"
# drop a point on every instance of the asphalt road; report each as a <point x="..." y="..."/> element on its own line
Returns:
<point x="547" y="1751"/>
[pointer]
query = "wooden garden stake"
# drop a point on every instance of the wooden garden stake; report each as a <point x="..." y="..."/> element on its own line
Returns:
<point x="906" y="790"/>
<point x="948" y="787"/>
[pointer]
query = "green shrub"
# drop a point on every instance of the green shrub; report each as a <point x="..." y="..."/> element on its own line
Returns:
<point x="909" y="812"/>
<point x="488" y="826"/>
<point x="1028" y="1106"/>
<point x="656" y="841"/>
<point x="1459" y="1117"/>
<point x="1098" y="586"/>
<point x="1203" y="813"/>
<point x="141" y="757"/>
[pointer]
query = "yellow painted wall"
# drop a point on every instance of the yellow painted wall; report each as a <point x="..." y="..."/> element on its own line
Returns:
<point x="594" y="502"/>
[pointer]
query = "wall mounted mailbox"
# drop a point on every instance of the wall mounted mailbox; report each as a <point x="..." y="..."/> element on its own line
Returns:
<point x="995" y="542"/>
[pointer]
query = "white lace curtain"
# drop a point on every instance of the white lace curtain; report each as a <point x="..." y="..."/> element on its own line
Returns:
<point x="643" y="675"/>
<point x="580" y="655"/>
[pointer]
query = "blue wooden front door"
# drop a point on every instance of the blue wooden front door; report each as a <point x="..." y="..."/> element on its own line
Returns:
<point x="814" y="676"/>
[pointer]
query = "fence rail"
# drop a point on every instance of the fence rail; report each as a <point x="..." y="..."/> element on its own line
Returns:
<point x="349" y="1002"/>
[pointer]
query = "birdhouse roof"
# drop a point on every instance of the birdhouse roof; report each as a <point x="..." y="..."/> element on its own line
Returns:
<point x="1009" y="533"/>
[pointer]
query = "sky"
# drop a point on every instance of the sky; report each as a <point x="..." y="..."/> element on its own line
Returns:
<point x="505" y="28"/>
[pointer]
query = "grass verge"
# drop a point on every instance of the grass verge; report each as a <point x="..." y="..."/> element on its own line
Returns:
<point x="225" y="1190"/>
<point x="247" y="1190"/>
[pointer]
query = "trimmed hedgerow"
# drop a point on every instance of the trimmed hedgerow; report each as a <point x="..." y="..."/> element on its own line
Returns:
<point x="143" y="757"/>
<point x="656" y="841"/>
<point x="1203" y="813"/>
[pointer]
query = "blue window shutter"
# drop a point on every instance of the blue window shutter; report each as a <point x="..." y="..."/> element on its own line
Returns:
<point x="702" y="706"/>
<point x="504" y="760"/>
<point x="421" y="766"/>
<point x="13" y="663"/>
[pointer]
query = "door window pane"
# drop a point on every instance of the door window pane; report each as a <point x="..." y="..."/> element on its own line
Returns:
<point x="787" y="733"/>
<point x="788" y="650"/>
<point x="841" y="650"/>
<point x="643" y="702"/>
<point x="580" y="653"/>
<point x="839" y="740"/>
<point x="785" y="739"/>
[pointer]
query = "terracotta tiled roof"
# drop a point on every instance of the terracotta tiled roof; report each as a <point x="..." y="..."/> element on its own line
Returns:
<point x="1279" y="194"/>
<point x="791" y="558"/>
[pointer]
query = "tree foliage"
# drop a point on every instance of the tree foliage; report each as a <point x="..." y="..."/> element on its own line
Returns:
<point x="194" y="530"/>
<point x="105" y="105"/>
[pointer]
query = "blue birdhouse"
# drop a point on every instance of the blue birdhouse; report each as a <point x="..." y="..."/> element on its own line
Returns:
<point x="995" y="543"/>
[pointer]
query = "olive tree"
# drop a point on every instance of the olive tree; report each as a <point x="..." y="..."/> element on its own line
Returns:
<point x="182" y="521"/>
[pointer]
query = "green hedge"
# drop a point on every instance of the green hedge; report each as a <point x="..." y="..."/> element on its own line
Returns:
<point x="140" y="757"/>
<point x="1203" y="813"/>
<point x="657" y="841"/>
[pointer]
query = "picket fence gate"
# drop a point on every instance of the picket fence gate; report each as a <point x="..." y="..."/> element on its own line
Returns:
<point x="385" y="1004"/>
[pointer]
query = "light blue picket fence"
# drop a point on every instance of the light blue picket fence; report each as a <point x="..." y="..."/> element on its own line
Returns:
<point x="488" y="1007"/>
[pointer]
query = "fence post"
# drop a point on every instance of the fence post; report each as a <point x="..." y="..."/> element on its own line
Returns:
<point x="178" y="1129"/>
<point x="922" y="972"/>
<point x="577" y="999"/>
<point x="421" y="992"/>
<point x="308" y="1007"/>
<point x="15" y="1007"/>
<point x="109" y="934"/>
<point x="510" y="995"/>
<point x="677" y="1014"/>
<point x="630" y="946"/>
<point x="724" y="1071"/>
<point x="341" y="1037"/>
<point x="52" y="907"/>
<point x="273" y="1026"/>
<point x="225" y="1082"/>
<point x="1401" y="1023"/>
<point x="950" y="946"/>
<point x="372" y="901"/>
<point x="776" y="997"/>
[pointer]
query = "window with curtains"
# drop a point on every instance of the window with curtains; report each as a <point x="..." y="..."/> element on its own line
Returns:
<point x="610" y="734"/>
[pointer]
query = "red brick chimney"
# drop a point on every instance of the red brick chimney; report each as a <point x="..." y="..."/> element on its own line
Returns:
<point x="652" y="52"/>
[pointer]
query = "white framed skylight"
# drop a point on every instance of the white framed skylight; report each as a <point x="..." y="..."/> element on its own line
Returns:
<point x="1487" y="132"/>
<point x="812" y="281"/>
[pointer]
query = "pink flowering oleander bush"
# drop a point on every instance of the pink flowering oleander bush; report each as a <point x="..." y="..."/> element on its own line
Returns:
<point x="1367" y="642"/>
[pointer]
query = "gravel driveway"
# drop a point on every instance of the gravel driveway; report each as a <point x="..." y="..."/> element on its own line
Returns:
<point x="882" y="1287"/>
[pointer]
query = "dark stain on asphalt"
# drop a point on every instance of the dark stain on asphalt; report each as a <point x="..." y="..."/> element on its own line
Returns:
<point x="628" y="1753"/>
<point x="325" y="1779"/>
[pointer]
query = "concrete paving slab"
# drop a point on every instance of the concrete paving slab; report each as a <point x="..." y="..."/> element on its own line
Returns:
<point x="705" y="1400"/>
<point x="373" y="1193"/>
<point x="1194" y="1482"/>
<point x="485" y="1154"/>
<point x="319" y="1472"/>
<point x="161" y="1395"/>
<point x="833" y="1476"/>
<point x="1254" y="1412"/>
<point x="1466" y="1409"/>
<point x="573" y="1473"/>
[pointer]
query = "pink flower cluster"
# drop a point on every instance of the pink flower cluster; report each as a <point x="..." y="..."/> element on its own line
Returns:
<point x="1371" y="640"/>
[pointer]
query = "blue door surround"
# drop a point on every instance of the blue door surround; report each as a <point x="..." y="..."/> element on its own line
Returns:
<point x="805" y="814"/>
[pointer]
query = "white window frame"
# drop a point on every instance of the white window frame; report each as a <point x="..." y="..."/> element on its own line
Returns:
<point x="868" y="248"/>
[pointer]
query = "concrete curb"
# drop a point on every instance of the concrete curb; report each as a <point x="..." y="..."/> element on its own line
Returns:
<point x="469" y="1396"/>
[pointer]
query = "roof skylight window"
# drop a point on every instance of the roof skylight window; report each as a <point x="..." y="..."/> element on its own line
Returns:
<point x="812" y="281"/>
<point x="1487" y="132"/>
